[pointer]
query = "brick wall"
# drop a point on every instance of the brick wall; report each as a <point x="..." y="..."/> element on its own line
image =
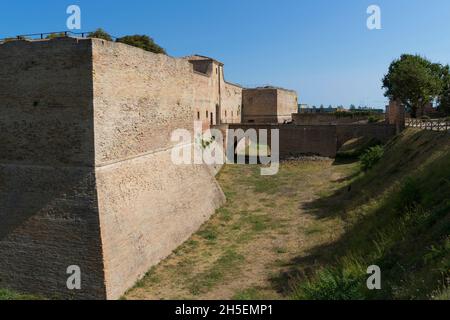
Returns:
<point x="148" y="206"/>
<point x="231" y="104"/>
<point x="287" y="104"/>
<point x="381" y="132"/>
<point x="298" y="140"/>
<point x="324" y="118"/>
<point x="48" y="201"/>
<point x="268" y="105"/>
<point x="322" y="140"/>
<point x="85" y="165"/>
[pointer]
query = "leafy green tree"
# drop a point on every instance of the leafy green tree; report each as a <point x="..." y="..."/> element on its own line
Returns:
<point x="143" y="42"/>
<point x="100" y="34"/>
<point x="414" y="81"/>
<point x="444" y="97"/>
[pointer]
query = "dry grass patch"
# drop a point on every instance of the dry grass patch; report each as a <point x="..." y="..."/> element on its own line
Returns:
<point x="252" y="237"/>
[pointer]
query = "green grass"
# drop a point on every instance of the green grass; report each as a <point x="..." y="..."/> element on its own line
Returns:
<point x="331" y="284"/>
<point x="209" y="233"/>
<point x="257" y="223"/>
<point x="226" y="265"/>
<point x="236" y="252"/>
<point x="443" y="295"/>
<point x="252" y="294"/>
<point x="10" y="295"/>
<point x="354" y="148"/>
<point x="398" y="217"/>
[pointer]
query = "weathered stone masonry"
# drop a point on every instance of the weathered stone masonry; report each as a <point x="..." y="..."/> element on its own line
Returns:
<point x="216" y="100"/>
<point x="85" y="171"/>
<point x="268" y="105"/>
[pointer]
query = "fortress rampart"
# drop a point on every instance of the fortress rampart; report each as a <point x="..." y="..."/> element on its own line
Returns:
<point x="85" y="168"/>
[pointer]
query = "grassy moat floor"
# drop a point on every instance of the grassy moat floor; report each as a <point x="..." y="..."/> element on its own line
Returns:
<point x="249" y="248"/>
<point x="312" y="230"/>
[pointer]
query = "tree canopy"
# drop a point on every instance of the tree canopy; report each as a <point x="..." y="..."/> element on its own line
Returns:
<point x="143" y="42"/>
<point x="414" y="81"/>
<point x="444" y="97"/>
<point x="100" y="34"/>
<point x="140" y="41"/>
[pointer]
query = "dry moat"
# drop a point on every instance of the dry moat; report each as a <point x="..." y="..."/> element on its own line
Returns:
<point x="251" y="248"/>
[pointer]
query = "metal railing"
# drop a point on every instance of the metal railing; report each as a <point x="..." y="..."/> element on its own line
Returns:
<point x="48" y="35"/>
<point x="429" y="124"/>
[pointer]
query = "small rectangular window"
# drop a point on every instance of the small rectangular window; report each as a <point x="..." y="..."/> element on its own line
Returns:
<point x="206" y="114"/>
<point x="198" y="115"/>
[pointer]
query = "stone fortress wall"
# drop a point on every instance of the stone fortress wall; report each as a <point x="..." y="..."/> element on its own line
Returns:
<point x="148" y="205"/>
<point x="48" y="199"/>
<point x="216" y="100"/>
<point x="85" y="168"/>
<point x="269" y="105"/>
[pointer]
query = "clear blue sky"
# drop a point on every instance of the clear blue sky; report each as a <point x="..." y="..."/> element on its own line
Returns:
<point x="320" y="48"/>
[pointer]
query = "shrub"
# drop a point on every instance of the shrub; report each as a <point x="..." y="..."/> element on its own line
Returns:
<point x="410" y="195"/>
<point x="371" y="157"/>
<point x="100" y="34"/>
<point x="11" y="39"/>
<point x="55" y="35"/>
<point x="331" y="284"/>
<point x="372" y="119"/>
<point x="143" y="42"/>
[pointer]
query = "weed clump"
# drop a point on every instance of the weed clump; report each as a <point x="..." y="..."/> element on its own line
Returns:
<point x="371" y="157"/>
<point x="331" y="284"/>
